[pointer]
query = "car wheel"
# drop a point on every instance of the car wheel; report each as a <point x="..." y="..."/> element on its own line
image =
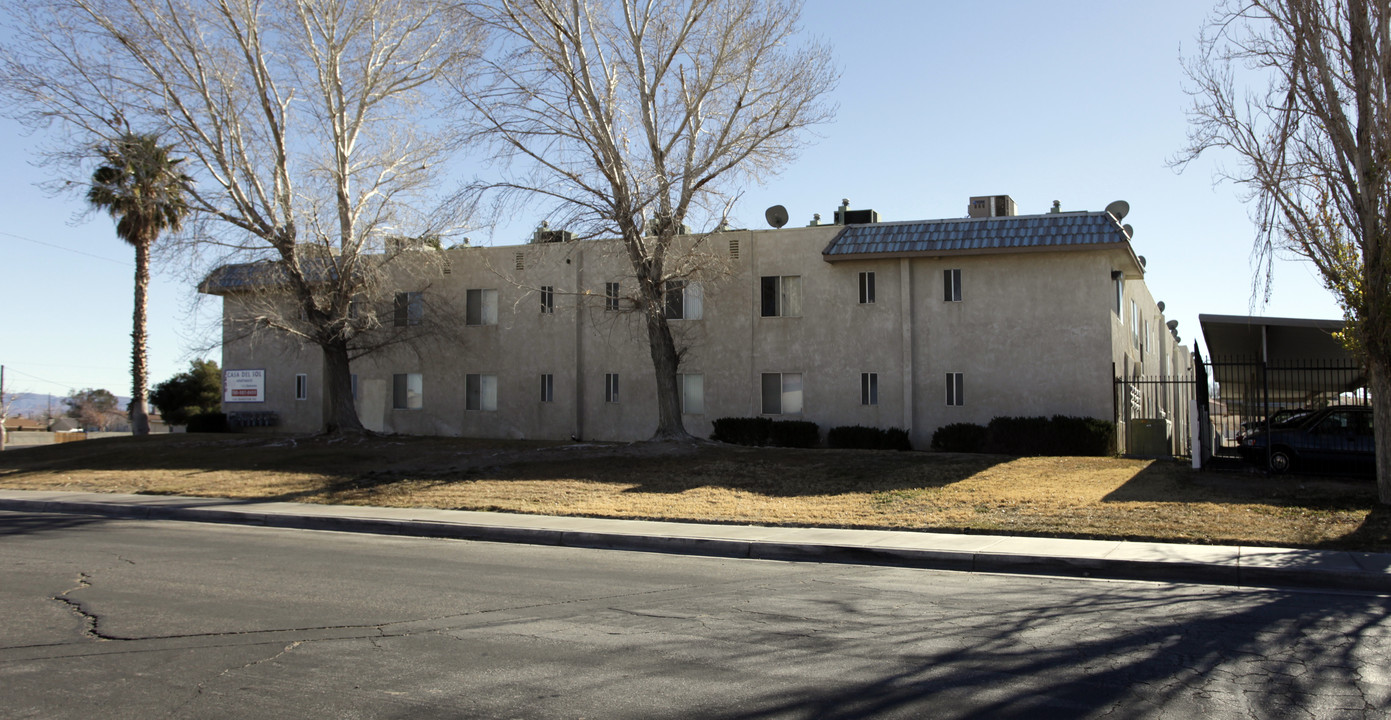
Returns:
<point x="1281" y="461"/>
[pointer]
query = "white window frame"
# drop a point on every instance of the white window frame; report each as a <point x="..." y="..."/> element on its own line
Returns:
<point x="869" y="388"/>
<point x="547" y="387"/>
<point x="780" y="296"/>
<point x="412" y="395"/>
<point x="951" y="285"/>
<point x="611" y="290"/>
<point x="301" y="386"/>
<point x="611" y="388"/>
<point x="956" y="389"/>
<point x="547" y="299"/>
<point x="790" y="393"/>
<point x="867" y="287"/>
<point x="692" y="393"/>
<point x="480" y="307"/>
<point x="480" y="392"/>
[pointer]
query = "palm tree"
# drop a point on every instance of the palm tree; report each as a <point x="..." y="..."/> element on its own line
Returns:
<point x="139" y="185"/>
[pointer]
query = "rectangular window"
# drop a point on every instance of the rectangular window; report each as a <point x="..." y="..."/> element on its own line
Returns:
<point x="611" y="296"/>
<point x="692" y="393"/>
<point x="611" y="387"/>
<point x="869" y="388"/>
<point x="406" y="391"/>
<point x="547" y="299"/>
<point x="782" y="296"/>
<point x="480" y="392"/>
<point x="482" y="307"/>
<point x="951" y="285"/>
<point x="301" y="387"/>
<point x="684" y="301"/>
<point x="1118" y="280"/>
<point x="1134" y="323"/>
<point x="354" y="384"/>
<point x="547" y="388"/>
<point x="956" y="390"/>
<point x="782" y="393"/>
<point x="408" y="309"/>
<point x="867" y="288"/>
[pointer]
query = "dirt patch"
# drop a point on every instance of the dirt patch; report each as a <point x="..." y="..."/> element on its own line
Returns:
<point x="703" y="482"/>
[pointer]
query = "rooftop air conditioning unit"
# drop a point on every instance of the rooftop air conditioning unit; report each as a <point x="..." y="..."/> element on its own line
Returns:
<point x="985" y="206"/>
<point x="856" y="217"/>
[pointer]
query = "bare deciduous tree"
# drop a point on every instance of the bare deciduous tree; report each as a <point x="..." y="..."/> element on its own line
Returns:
<point x="1313" y="147"/>
<point x="305" y="123"/>
<point x="629" y="118"/>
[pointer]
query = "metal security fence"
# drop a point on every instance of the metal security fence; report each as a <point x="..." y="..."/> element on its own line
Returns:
<point x="1249" y="395"/>
<point x="1153" y="415"/>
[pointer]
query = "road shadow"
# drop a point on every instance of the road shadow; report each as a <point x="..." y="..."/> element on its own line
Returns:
<point x="16" y="523"/>
<point x="1174" y="482"/>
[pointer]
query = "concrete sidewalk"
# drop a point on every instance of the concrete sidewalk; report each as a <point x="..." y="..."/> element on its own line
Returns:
<point x="1223" y="565"/>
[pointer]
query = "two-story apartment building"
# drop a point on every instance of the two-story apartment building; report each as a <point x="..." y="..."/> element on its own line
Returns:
<point x="889" y="324"/>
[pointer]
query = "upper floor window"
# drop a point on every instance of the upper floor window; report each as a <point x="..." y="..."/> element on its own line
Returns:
<point x="782" y="295"/>
<point x="408" y="309"/>
<point x="866" y="288"/>
<point x="547" y="299"/>
<point x="482" y="307"/>
<point x="951" y="285"/>
<point x="610" y="296"/>
<point x="684" y="300"/>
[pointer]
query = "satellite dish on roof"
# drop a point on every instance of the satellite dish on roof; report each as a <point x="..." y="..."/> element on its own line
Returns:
<point x="1160" y="305"/>
<point x="1129" y="231"/>
<point x="776" y="216"/>
<point x="1119" y="208"/>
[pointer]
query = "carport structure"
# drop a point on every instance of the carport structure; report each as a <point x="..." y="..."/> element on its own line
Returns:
<point x="1262" y="365"/>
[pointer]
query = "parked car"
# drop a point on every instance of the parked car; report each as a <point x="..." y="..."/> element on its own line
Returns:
<point x="1277" y="419"/>
<point x="1334" y="438"/>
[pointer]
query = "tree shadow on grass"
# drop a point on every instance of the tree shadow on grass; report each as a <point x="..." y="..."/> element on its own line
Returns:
<point x="1174" y="482"/>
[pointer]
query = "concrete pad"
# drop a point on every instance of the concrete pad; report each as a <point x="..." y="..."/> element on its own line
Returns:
<point x="1055" y="547"/>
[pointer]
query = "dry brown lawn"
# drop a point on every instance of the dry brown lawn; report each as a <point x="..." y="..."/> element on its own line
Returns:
<point x="1047" y="496"/>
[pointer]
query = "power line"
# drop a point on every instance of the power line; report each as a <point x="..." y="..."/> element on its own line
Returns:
<point x="68" y="249"/>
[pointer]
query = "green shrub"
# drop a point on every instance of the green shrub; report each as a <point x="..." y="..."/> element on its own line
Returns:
<point x="795" y="434"/>
<point x="868" y="438"/>
<point x="743" y="431"/>
<point x="210" y="422"/>
<point x="959" y="437"/>
<point x="1058" y="435"/>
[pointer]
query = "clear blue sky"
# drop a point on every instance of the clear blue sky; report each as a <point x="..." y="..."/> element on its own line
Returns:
<point x="1080" y="102"/>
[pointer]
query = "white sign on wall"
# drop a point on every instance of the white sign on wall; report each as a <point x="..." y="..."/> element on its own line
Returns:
<point x="243" y="386"/>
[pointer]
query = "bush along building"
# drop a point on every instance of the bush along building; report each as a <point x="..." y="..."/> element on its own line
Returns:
<point x="910" y="325"/>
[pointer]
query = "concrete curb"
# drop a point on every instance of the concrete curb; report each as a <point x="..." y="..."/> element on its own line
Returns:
<point x="1214" y="565"/>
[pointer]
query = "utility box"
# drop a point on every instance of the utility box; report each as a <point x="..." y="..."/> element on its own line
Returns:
<point x="1150" y="437"/>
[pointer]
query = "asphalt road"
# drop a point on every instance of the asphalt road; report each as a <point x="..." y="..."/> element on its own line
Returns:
<point x="108" y="618"/>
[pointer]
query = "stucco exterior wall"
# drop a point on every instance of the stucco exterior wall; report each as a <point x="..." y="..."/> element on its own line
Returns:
<point x="1035" y="333"/>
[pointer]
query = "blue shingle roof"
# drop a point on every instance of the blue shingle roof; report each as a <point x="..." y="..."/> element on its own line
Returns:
<point x="976" y="234"/>
<point x="244" y="276"/>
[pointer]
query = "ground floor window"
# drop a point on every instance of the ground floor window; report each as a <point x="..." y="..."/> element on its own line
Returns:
<point x="692" y="393"/>
<point x="480" y="392"/>
<point x="869" y="388"/>
<point x="782" y="393"/>
<point x="547" y="388"/>
<point x="611" y="387"/>
<point x="956" y="390"/>
<point x="406" y="391"/>
<point x="301" y="387"/>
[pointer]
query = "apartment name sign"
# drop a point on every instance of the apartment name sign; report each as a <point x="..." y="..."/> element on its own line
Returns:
<point x="240" y="386"/>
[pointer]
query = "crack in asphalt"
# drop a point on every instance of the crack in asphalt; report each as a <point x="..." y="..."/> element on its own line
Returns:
<point x="90" y="621"/>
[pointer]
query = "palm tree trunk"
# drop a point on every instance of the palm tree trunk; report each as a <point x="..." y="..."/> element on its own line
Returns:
<point x="139" y="361"/>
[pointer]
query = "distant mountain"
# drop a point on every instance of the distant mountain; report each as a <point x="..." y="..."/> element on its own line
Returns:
<point x="34" y="404"/>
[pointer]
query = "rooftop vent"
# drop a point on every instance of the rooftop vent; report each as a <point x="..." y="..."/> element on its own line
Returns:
<point x="846" y="216"/>
<point x="544" y="234"/>
<point x="985" y="206"/>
